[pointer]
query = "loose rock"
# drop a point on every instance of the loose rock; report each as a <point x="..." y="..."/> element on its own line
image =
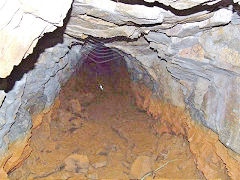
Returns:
<point x="75" y="106"/>
<point x="101" y="161"/>
<point x="140" y="167"/>
<point x="77" y="163"/>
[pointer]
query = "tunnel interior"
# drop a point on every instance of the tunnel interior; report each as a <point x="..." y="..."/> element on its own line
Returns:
<point x="144" y="100"/>
<point x="95" y="129"/>
<point x="103" y="67"/>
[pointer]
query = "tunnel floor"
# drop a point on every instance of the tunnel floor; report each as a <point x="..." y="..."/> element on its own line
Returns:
<point x="94" y="133"/>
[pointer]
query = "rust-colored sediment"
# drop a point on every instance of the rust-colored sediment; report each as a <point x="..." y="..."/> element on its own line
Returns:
<point x="14" y="157"/>
<point x="212" y="157"/>
<point x="20" y="150"/>
<point x="107" y="131"/>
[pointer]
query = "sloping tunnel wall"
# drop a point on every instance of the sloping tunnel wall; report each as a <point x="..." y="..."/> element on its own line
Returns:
<point x="187" y="58"/>
<point x="42" y="75"/>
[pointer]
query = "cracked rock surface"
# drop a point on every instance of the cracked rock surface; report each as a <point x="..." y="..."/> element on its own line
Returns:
<point x="187" y="52"/>
<point x="106" y="137"/>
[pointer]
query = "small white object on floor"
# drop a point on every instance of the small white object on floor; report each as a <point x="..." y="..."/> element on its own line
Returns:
<point x="101" y="87"/>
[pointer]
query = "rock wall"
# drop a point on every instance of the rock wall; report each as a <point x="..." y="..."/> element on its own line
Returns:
<point x="37" y="88"/>
<point x="188" y="52"/>
<point x="33" y="86"/>
<point x="213" y="159"/>
<point x="22" y="23"/>
<point x="206" y="73"/>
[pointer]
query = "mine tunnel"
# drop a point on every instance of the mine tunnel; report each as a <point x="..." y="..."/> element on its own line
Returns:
<point x="118" y="89"/>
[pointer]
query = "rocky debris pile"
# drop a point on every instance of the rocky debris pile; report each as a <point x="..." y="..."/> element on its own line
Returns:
<point x="103" y="135"/>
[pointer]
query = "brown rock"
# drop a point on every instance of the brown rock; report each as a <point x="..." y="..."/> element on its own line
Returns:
<point x="75" y="106"/>
<point x="100" y="161"/>
<point x="3" y="174"/>
<point x="99" y="164"/>
<point x="140" y="167"/>
<point x="77" y="163"/>
<point x="92" y="176"/>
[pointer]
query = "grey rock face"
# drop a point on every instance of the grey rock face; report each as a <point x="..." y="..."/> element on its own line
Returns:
<point x="212" y="97"/>
<point x="8" y="111"/>
<point x="196" y="68"/>
<point x="184" y="4"/>
<point x="2" y="96"/>
<point x="36" y="90"/>
<point x="21" y="25"/>
<point x="39" y="87"/>
<point x="21" y="125"/>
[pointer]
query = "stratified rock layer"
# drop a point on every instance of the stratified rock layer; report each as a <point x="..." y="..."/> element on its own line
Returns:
<point x="187" y="52"/>
<point x="22" y="23"/>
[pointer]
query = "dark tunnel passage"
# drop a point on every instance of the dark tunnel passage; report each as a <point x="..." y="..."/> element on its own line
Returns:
<point x="104" y="66"/>
<point x="95" y="130"/>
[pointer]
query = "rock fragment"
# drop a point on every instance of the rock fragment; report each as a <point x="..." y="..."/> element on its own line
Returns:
<point x="140" y="167"/>
<point x="77" y="163"/>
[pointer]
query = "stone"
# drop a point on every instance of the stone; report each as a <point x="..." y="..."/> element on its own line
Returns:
<point x="222" y="53"/>
<point x="2" y="96"/>
<point x="92" y="176"/>
<point x="52" y="88"/>
<point x="99" y="161"/>
<point x="188" y="58"/>
<point x="99" y="164"/>
<point x="100" y="28"/>
<point x="75" y="106"/>
<point x="220" y="17"/>
<point x="77" y="163"/>
<point x="44" y="9"/>
<point x="183" y="4"/>
<point x="102" y="152"/>
<point x="30" y="17"/>
<point x="141" y="166"/>
<point x="22" y="124"/>
<point x="236" y="1"/>
<point x="123" y="12"/>
<point x="3" y="174"/>
<point x="195" y="52"/>
<point x="15" y="42"/>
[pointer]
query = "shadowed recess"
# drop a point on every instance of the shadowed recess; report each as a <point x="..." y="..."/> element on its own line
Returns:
<point x="184" y="12"/>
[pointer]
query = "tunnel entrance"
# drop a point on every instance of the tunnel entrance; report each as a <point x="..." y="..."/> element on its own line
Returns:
<point x="96" y="131"/>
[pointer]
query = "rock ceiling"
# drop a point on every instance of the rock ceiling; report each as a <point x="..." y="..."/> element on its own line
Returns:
<point x="26" y="21"/>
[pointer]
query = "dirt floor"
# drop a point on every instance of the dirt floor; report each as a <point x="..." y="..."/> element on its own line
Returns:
<point x="94" y="133"/>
